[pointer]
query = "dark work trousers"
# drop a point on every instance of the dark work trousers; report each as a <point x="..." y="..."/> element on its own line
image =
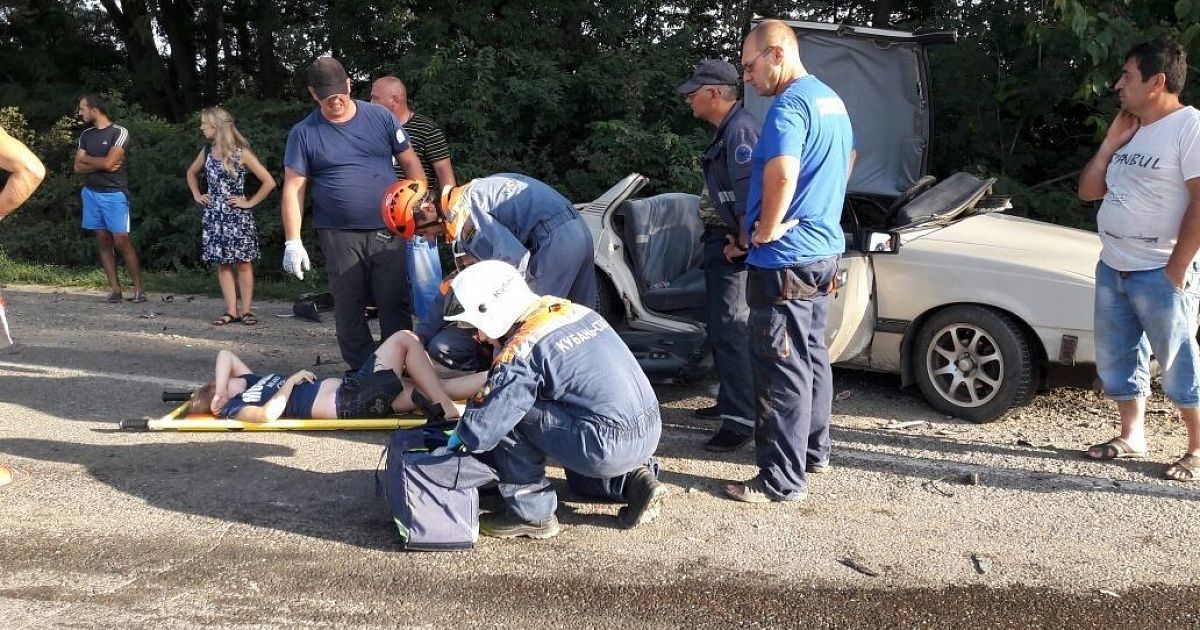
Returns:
<point x="561" y="259"/>
<point x="792" y="377"/>
<point x="597" y="459"/>
<point x="365" y="266"/>
<point x="725" y="292"/>
<point x="457" y="349"/>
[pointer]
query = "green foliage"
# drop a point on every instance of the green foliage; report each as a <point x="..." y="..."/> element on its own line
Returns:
<point x="575" y="93"/>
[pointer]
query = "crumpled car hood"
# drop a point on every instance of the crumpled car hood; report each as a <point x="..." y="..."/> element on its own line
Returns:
<point x="1016" y="240"/>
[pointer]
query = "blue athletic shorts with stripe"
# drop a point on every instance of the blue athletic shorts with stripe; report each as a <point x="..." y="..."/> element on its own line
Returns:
<point x="105" y="211"/>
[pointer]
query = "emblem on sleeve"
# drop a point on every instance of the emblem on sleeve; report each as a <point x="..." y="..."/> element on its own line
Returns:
<point x="743" y="153"/>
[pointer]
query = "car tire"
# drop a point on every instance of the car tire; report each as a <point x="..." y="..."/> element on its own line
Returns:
<point x="610" y="306"/>
<point x="974" y="363"/>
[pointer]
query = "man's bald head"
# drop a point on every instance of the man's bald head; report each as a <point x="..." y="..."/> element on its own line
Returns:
<point x="775" y="33"/>
<point x="390" y="92"/>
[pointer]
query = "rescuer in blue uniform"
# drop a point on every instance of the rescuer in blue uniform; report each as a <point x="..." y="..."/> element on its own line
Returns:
<point x="563" y="386"/>
<point x="712" y="94"/>
<point x="508" y="217"/>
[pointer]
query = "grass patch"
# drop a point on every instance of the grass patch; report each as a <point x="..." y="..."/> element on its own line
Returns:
<point x="193" y="282"/>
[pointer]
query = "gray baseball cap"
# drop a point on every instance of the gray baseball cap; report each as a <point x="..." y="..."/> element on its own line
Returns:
<point x="711" y="72"/>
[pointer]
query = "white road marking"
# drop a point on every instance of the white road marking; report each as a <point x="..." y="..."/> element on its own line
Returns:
<point x="116" y="376"/>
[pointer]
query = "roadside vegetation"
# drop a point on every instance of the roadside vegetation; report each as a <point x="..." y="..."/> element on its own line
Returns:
<point x="573" y="92"/>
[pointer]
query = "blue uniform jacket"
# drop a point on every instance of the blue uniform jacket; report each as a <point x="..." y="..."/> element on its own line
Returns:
<point x="565" y="355"/>
<point x="509" y="214"/>
<point x="727" y="165"/>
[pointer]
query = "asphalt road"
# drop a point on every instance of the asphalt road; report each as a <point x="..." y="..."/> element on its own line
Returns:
<point x="109" y="529"/>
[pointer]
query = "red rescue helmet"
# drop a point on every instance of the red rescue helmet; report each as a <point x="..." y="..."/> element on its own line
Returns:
<point x="400" y="204"/>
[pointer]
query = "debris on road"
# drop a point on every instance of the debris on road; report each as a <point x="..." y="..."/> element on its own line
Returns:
<point x="842" y="395"/>
<point x="982" y="563"/>
<point x="857" y="565"/>
<point x="911" y="424"/>
<point x="932" y="486"/>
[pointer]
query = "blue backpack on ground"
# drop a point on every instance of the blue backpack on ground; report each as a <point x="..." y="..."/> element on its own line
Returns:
<point x="431" y="493"/>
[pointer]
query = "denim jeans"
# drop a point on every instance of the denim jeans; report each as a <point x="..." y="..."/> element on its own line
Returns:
<point x="1142" y="311"/>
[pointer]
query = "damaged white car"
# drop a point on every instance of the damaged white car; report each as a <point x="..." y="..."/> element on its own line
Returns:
<point x="977" y="308"/>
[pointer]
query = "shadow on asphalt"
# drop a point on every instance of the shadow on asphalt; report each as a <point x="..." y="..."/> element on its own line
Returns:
<point x="857" y="449"/>
<point x="232" y="481"/>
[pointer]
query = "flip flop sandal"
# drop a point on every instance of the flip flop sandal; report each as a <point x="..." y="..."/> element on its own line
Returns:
<point x="249" y="319"/>
<point x="114" y="297"/>
<point x="226" y="319"/>
<point x="1115" y="448"/>
<point x="1186" y="468"/>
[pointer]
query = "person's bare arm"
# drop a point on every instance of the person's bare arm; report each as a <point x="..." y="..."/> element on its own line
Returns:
<point x="292" y="202"/>
<point x="1188" y="242"/>
<point x="273" y="408"/>
<point x="411" y="164"/>
<point x="264" y="176"/>
<point x="193" y="181"/>
<point x="228" y="366"/>
<point x="445" y="173"/>
<point x="780" y="176"/>
<point x="26" y="172"/>
<point x="1092" y="186"/>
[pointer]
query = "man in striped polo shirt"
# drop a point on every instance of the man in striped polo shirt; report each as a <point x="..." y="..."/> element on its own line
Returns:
<point x="424" y="264"/>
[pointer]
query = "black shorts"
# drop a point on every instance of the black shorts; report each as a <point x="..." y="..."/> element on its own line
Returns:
<point x="368" y="393"/>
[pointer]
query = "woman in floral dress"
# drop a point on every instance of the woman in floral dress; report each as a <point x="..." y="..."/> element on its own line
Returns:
<point x="229" y="239"/>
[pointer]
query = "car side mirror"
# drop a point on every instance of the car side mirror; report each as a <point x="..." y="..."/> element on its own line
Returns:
<point x="882" y="242"/>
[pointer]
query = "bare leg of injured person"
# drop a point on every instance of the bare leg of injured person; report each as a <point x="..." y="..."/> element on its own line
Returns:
<point x="403" y="353"/>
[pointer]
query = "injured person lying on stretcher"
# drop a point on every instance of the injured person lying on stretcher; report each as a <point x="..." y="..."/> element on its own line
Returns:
<point x="398" y="377"/>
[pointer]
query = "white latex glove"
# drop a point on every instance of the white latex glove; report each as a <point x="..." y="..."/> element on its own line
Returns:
<point x="295" y="258"/>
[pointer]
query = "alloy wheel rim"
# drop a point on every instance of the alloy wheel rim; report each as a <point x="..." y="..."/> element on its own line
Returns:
<point x="965" y="365"/>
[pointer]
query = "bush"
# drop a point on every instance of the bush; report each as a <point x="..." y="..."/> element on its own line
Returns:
<point x="165" y="219"/>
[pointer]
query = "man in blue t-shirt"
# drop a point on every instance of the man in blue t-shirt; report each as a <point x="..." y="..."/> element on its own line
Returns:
<point x="343" y="151"/>
<point x="797" y="188"/>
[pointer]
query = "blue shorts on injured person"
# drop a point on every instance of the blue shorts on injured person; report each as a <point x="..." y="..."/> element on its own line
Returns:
<point x="1139" y="312"/>
<point x="107" y="211"/>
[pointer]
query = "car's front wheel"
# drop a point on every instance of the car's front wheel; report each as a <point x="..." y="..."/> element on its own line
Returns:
<point x="974" y="363"/>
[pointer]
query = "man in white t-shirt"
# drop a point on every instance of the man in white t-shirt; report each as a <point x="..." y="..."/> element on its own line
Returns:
<point x="1147" y="171"/>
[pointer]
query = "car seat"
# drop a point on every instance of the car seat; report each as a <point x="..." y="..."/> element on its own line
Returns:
<point x="663" y="234"/>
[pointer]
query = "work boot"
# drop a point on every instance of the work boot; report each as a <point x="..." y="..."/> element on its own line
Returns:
<point x="644" y="495"/>
<point x="755" y="491"/>
<point x="725" y="441"/>
<point x="708" y="413"/>
<point x="506" y="525"/>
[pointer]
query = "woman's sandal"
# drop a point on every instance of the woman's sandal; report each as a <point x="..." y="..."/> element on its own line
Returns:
<point x="226" y="319"/>
<point x="1186" y="468"/>
<point x="1115" y="448"/>
<point x="249" y="319"/>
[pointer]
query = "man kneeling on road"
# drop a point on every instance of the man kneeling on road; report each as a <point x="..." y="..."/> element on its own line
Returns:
<point x="563" y="386"/>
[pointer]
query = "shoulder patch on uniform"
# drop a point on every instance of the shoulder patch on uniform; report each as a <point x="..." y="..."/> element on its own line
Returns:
<point x="400" y="137"/>
<point x="743" y="153"/>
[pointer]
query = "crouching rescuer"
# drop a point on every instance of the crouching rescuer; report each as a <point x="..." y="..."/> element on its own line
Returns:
<point x="563" y="386"/>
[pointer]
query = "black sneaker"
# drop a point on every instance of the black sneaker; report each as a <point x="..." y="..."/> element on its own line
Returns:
<point x="725" y="441"/>
<point x="645" y="495"/>
<point x="707" y="413"/>
<point x="506" y="525"/>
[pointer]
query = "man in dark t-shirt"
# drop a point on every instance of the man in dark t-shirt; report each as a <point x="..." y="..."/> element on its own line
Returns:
<point x="100" y="157"/>
<point x="343" y="152"/>
<point x="424" y="270"/>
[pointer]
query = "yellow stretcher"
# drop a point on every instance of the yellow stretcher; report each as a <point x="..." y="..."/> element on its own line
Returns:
<point x="178" y="420"/>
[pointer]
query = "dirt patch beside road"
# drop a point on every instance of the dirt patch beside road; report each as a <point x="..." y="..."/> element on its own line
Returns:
<point x="962" y="525"/>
